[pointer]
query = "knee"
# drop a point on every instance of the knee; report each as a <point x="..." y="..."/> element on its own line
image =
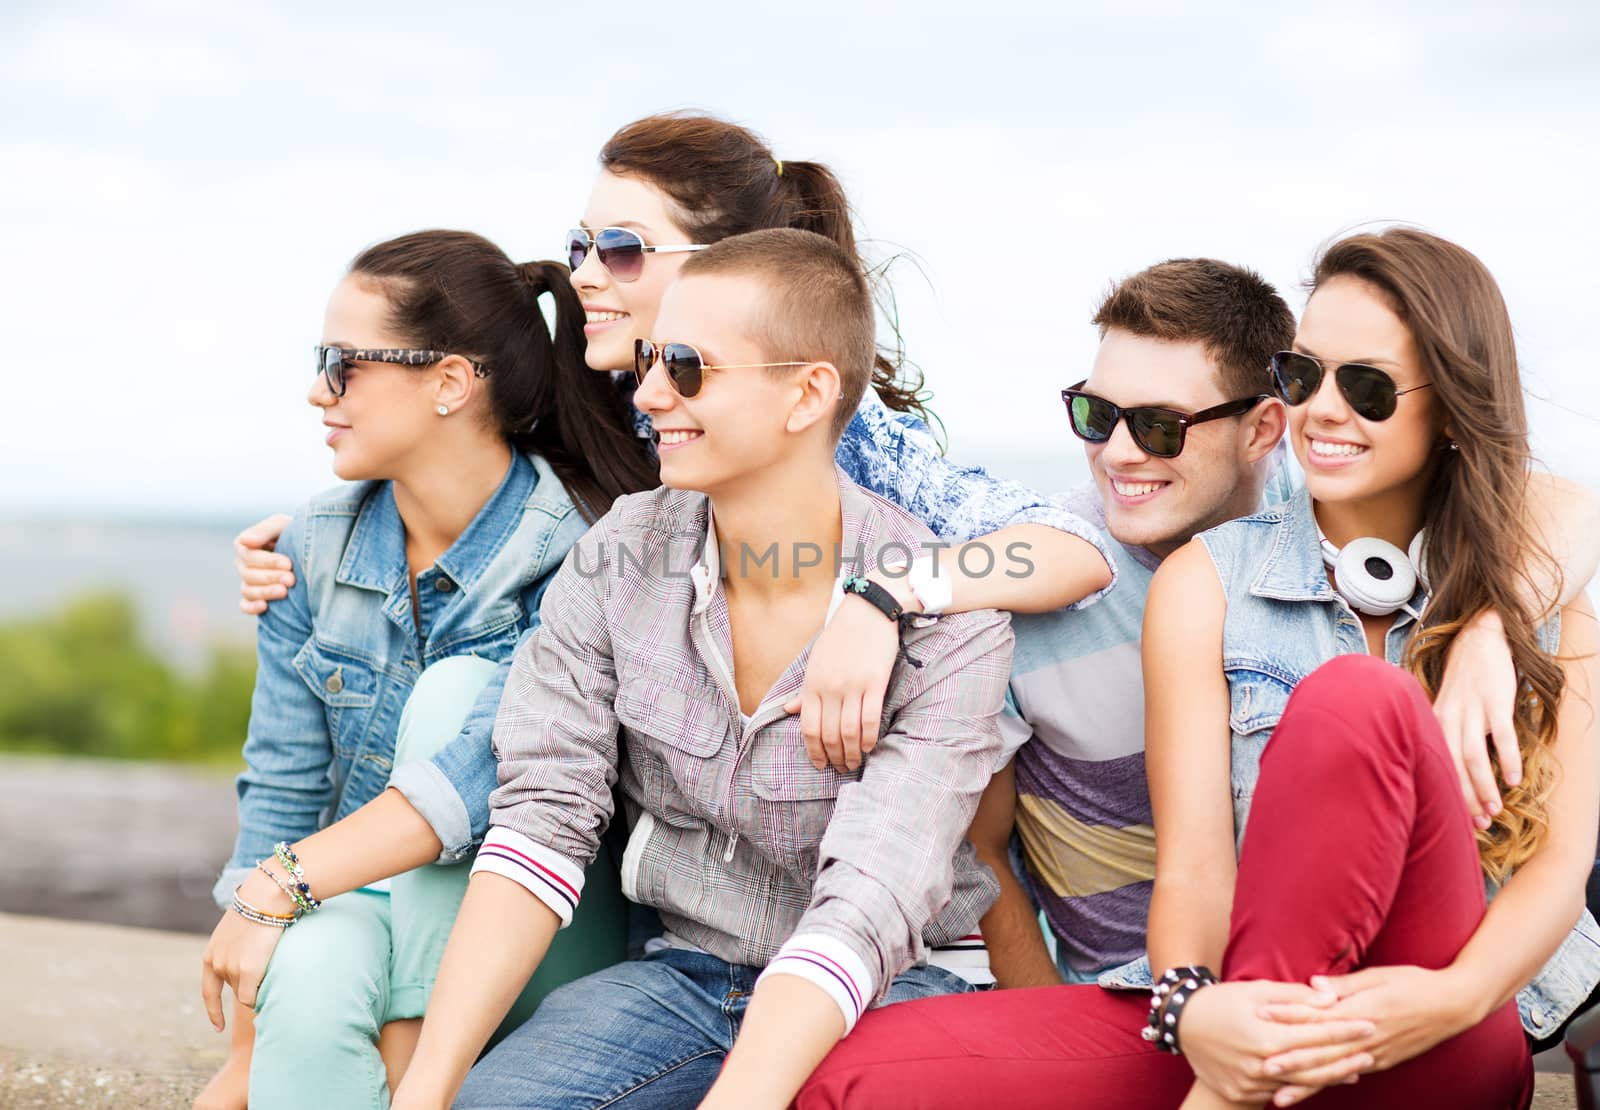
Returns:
<point x="1354" y="704"/>
<point x="315" y="993"/>
<point x="439" y="703"/>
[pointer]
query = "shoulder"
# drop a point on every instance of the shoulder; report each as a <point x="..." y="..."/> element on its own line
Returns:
<point x="1245" y="541"/>
<point x="344" y="499"/>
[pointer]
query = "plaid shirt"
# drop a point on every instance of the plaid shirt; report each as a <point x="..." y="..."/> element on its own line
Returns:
<point x="747" y="850"/>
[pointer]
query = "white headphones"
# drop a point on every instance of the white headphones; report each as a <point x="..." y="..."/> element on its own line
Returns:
<point x="1374" y="575"/>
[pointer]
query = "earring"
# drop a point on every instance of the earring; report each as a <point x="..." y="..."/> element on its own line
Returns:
<point x="444" y="410"/>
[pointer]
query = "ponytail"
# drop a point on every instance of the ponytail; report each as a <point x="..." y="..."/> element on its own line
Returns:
<point x="726" y="181"/>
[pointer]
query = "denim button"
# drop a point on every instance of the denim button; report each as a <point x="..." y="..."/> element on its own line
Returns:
<point x="1539" y="1017"/>
<point x="443" y="584"/>
<point x="335" y="682"/>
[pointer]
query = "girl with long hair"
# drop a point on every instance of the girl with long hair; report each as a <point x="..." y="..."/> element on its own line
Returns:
<point x="1290" y="661"/>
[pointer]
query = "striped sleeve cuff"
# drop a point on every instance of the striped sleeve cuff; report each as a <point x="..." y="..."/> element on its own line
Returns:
<point x="828" y="963"/>
<point x="547" y="874"/>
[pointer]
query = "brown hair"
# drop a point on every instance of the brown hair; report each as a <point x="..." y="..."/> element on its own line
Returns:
<point x="1237" y="316"/>
<point x="819" y="306"/>
<point x="726" y="181"/>
<point x="1478" y="545"/>
<point x="456" y="291"/>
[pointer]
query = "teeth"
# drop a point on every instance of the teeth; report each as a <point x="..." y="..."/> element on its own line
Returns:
<point x="1335" y="450"/>
<point x="604" y="317"/>
<point x="678" y="437"/>
<point x="1135" y="489"/>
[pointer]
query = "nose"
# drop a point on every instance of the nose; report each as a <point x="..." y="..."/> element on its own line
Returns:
<point x="319" y="395"/>
<point x="1327" y="404"/>
<point x="590" y="275"/>
<point x="1122" y="449"/>
<point x="655" y="394"/>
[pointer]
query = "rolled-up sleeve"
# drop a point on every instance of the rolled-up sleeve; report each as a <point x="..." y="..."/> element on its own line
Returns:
<point x="886" y="867"/>
<point x="555" y="739"/>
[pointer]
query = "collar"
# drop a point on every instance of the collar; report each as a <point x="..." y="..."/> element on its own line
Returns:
<point x="375" y="556"/>
<point x="1293" y="570"/>
<point x="853" y="557"/>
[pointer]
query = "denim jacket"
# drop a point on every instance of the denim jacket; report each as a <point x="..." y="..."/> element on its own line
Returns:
<point x="1268" y="647"/>
<point x="338" y="657"/>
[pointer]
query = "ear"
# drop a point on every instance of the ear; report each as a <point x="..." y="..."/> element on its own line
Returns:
<point x="817" y="390"/>
<point x="454" y="383"/>
<point x="1264" y="427"/>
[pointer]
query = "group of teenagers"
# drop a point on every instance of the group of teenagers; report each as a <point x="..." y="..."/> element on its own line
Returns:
<point x="655" y="717"/>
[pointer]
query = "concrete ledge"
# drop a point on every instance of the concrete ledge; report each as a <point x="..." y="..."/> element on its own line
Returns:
<point x="102" y="1015"/>
<point x="110" y="1016"/>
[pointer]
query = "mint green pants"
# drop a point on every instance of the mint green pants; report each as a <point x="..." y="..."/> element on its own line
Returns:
<point x="368" y="958"/>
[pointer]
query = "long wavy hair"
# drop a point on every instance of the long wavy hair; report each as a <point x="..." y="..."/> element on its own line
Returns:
<point x="1479" y="548"/>
<point x="726" y="181"/>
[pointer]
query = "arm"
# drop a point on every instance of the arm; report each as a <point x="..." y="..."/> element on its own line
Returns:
<point x="1187" y="760"/>
<point x="556" y="738"/>
<point x="886" y="866"/>
<point x="1478" y="692"/>
<point x="1017" y="954"/>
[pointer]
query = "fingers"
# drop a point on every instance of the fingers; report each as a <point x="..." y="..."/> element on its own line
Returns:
<point x="252" y="608"/>
<point x="247" y="986"/>
<point x="850" y="733"/>
<point x="1504" y="732"/>
<point x="833" y="749"/>
<point x="263" y="568"/>
<point x="263" y="534"/>
<point x="1347" y="1070"/>
<point x="1354" y="983"/>
<point x="811" y="728"/>
<point x="1307" y="1066"/>
<point x="1346" y="1034"/>
<point x="211" y="994"/>
<point x="1292" y="1094"/>
<point x="1475" y="762"/>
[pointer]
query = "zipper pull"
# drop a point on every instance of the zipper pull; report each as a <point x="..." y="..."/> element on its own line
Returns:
<point x="733" y="840"/>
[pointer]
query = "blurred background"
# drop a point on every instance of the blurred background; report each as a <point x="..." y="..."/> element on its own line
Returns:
<point x="182" y="183"/>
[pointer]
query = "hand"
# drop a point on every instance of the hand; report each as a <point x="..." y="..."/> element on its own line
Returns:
<point x="239" y="950"/>
<point x="1476" y="700"/>
<point x="1229" y="1039"/>
<point x="264" y="575"/>
<point x="1411" y="1009"/>
<point x="847" y="675"/>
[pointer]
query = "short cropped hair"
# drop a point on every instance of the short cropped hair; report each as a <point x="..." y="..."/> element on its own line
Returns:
<point x="1236" y="315"/>
<point x="819" y="306"/>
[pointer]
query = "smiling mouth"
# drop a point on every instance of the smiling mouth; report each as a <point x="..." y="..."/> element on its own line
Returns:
<point x="1135" y="489"/>
<point x="671" y="439"/>
<point x="1326" y="449"/>
<point x="593" y="317"/>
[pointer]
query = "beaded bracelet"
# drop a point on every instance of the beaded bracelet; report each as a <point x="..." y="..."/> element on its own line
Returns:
<point x="281" y="883"/>
<point x="300" y="890"/>
<point x="1176" y="986"/>
<point x="261" y="917"/>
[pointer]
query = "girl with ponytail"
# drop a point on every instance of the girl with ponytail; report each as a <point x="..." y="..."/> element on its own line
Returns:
<point x="476" y="447"/>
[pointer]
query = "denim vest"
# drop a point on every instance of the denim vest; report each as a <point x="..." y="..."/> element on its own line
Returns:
<point x="1268" y="647"/>
<point x="337" y="659"/>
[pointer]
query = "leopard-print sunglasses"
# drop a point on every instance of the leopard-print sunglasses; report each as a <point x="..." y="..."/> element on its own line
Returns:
<point x="331" y="362"/>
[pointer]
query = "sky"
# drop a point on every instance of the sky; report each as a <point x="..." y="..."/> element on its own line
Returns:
<point x="182" y="185"/>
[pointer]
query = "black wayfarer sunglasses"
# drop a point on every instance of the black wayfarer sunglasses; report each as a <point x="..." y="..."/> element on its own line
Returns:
<point x="1158" y="431"/>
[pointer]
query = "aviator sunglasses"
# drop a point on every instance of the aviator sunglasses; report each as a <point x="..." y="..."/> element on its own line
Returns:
<point x="333" y="361"/>
<point x="1370" y="392"/>
<point x="684" y="365"/>
<point x="1157" y="431"/>
<point x="620" y="251"/>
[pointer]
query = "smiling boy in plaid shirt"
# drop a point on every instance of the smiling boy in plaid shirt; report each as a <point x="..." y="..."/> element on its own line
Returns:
<point x="793" y="897"/>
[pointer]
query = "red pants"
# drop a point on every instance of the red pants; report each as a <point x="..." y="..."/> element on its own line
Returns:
<point x="1358" y="852"/>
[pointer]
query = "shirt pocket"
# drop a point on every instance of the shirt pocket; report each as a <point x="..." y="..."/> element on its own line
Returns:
<point x="794" y="800"/>
<point x="671" y="743"/>
<point x="1257" y="696"/>
<point x="347" y="688"/>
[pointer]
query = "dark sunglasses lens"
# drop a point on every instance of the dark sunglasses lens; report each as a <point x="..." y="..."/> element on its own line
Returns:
<point x="577" y="247"/>
<point x="1369" y="391"/>
<point x="1159" y="433"/>
<point x="1092" y="418"/>
<point x="644" y="356"/>
<point x="683" y="367"/>
<point x="1297" y="377"/>
<point x="621" y="251"/>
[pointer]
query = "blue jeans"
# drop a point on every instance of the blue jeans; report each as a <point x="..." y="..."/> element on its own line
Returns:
<point x="644" y="1034"/>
